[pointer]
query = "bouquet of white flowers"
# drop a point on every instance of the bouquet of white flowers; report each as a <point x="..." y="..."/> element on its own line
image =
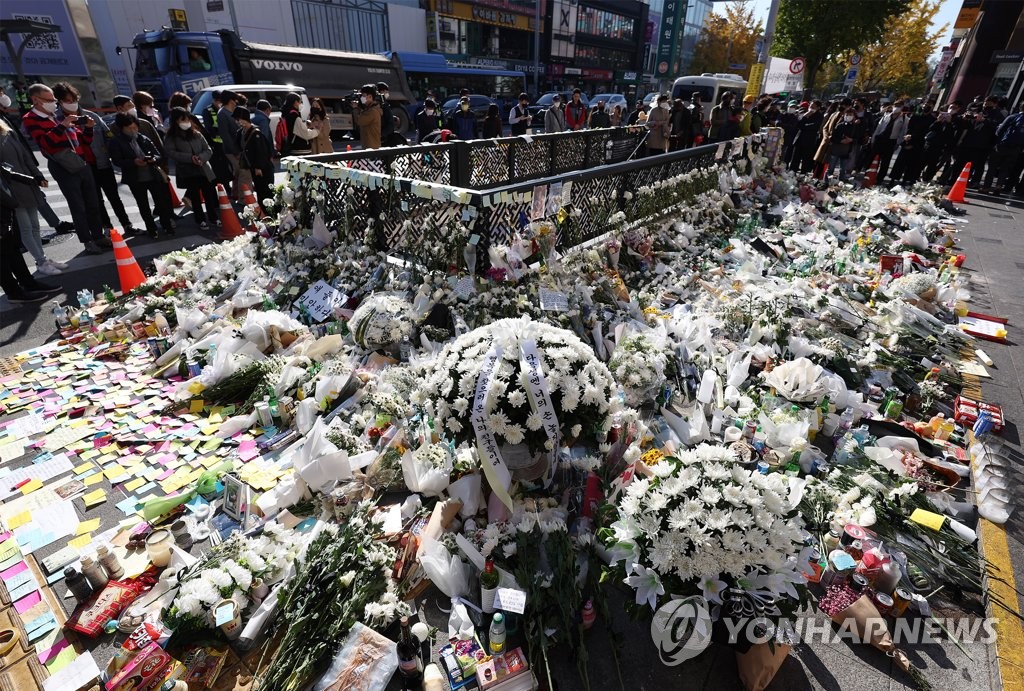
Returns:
<point x="518" y="382"/>
<point x="638" y="364"/>
<point x="703" y="524"/>
<point x="381" y="321"/>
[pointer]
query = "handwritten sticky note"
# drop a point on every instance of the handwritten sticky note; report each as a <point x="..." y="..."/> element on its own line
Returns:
<point x="224" y="613"/>
<point x="88" y="526"/>
<point x="196" y="406"/>
<point x="94" y="479"/>
<point x="94" y="498"/>
<point x="80" y="542"/>
<point x="134" y="484"/>
<point x="15" y="522"/>
<point x="84" y="468"/>
<point x="31" y="486"/>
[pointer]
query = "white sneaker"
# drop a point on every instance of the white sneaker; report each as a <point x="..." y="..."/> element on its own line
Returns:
<point x="60" y="265"/>
<point x="47" y="269"/>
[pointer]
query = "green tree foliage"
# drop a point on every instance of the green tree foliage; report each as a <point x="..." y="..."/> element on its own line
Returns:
<point x="820" y="30"/>
<point x="726" y="40"/>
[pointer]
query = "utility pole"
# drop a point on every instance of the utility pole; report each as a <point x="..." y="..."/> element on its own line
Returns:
<point x="766" y="51"/>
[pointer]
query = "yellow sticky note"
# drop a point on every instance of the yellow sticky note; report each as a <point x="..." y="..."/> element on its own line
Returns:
<point x="84" y="468"/>
<point x="113" y="471"/>
<point x="81" y="541"/>
<point x="31" y="486"/>
<point x="196" y="406"/>
<point x="94" y="498"/>
<point x="19" y="520"/>
<point x="927" y="519"/>
<point x="133" y="485"/>
<point x="94" y="479"/>
<point x="87" y="526"/>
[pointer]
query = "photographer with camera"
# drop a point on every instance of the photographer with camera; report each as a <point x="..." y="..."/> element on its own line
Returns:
<point x="368" y="117"/>
<point x="139" y="160"/>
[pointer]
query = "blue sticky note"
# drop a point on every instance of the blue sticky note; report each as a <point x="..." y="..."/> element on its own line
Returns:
<point x="145" y="488"/>
<point x="129" y="505"/>
<point x="224" y="614"/>
<point x="40" y="626"/>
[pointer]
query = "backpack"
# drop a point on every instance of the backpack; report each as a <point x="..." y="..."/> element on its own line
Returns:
<point x="281" y="134"/>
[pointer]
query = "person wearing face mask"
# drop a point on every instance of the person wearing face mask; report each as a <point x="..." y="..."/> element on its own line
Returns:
<point x="659" y="127"/>
<point x="788" y="121"/>
<point x="720" y="116"/>
<point x="746" y="122"/>
<point x="256" y="154"/>
<point x="228" y="129"/>
<point x="387" y="115"/>
<point x="463" y="122"/>
<point x="191" y="153"/>
<point x="805" y="141"/>
<point x="138" y="158"/>
<point x="842" y="138"/>
<point x="147" y="111"/>
<point x="576" y="112"/>
<point x="519" y="118"/>
<point x="823" y="155"/>
<point x="299" y="134"/>
<point x="428" y="120"/>
<point x="368" y="117"/>
<point x="697" y="125"/>
<point x="862" y="139"/>
<point x="884" y="137"/>
<point x="261" y="118"/>
<point x="97" y="157"/>
<point x="680" y="128"/>
<point x="554" y="118"/>
<point x="910" y="160"/>
<point x="63" y="143"/>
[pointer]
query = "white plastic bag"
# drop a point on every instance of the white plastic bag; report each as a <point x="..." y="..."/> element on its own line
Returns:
<point x="447" y="572"/>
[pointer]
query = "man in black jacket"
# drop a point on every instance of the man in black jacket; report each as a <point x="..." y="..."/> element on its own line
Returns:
<point x="387" y="116"/>
<point x="428" y="120"/>
<point x="256" y="154"/>
<point x="138" y="158"/>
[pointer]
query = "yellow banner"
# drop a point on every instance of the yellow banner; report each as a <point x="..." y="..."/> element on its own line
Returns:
<point x="755" y="79"/>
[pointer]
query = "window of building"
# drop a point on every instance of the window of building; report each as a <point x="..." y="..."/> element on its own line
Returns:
<point x="589" y="56"/>
<point x="606" y="24"/>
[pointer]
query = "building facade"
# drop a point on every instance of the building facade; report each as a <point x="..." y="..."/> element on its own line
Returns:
<point x="674" y="29"/>
<point x="596" y="45"/>
<point x="986" y="54"/>
<point x="484" y="33"/>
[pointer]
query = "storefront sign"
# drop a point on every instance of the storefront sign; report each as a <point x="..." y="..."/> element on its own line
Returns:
<point x="940" y="69"/>
<point x="1007" y="56"/>
<point x="485" y="15"/>
<point x="179" y="20"/>
<point x="968" y="15"/>
<point x="214" y="5"/>
<point x="668" y="37"/>
<point x="563" y="29"/>
<point x="573" y="71"/>
<point x="599" y="75"/>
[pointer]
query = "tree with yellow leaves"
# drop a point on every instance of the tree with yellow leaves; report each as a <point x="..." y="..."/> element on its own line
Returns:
<point x="898" y="61"/>
<point x="728" y="39"/>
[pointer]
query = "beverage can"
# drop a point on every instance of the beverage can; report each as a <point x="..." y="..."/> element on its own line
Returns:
<point x="263" y="414"/>
<point x="901" y="601"/>
<point x="884" y="603"/>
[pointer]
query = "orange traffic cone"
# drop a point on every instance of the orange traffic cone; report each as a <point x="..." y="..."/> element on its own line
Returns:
<point x="175" y="200"/>
<point x="956" y="193"/>
<point x="128" y="270"/>
<point x="872" y="175"/>
<point x="248" y="198"/>
<point x="229" y="225"/>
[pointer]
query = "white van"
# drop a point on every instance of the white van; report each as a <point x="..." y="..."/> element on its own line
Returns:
<point x="254" y="92"/>
<point x="711" y="86"/>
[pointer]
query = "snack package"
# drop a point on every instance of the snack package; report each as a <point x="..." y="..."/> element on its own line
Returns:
<point x="498" y="668"/>
<point x="148" y="632"/>
<point x="204" y="663"/>
<point x="90" y="618"/>
<point x="144" y="672"/>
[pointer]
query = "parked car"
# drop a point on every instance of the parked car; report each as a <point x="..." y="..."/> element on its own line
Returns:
<point x="539" y="109"/>
<point x="649" y="99"/>
<point x="477" y="103"/>
<point x="610" y="101"/>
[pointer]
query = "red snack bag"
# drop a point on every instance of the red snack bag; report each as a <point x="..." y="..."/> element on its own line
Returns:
<point x="144" y="672"/>
<point x="90" y="618"/>
<point x="146" y="633"/>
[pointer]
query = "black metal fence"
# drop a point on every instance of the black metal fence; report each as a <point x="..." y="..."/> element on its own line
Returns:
<point x="422" y="216"/>
<point x="486" y="163"/>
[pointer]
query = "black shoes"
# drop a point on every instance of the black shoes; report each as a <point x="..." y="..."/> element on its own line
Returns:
<point x="104" y="242"/>
<point x="26" y="297"/>
<point x="65" y="227"/>
<point x="37" y="286"/>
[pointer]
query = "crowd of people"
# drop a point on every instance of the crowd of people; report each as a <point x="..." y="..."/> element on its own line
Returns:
<point x="231" y="143"/>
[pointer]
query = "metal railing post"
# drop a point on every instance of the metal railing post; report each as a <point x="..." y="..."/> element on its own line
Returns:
<point x="461" y="164"/>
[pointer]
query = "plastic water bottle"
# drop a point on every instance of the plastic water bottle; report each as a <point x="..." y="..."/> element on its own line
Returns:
<point x="60" y="316"/>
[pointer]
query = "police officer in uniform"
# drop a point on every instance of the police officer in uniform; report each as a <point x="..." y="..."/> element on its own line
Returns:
<point x="220" y="163"/>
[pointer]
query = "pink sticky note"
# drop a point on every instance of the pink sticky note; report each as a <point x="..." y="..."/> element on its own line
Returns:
<point x="28" y="602"/>
<point x="54" y="650"/>
<point x="13" y="571"/>
<point x="166" y="474"/>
